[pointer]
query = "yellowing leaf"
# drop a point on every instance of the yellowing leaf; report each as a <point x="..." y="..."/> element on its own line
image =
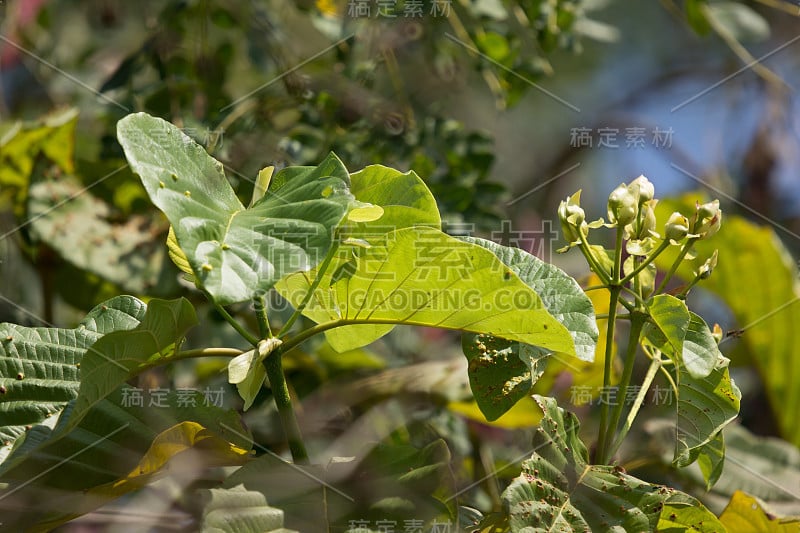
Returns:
<point x="746" y="514"/>
<point x="179" y="438"/>
<point x="524" y="414"/>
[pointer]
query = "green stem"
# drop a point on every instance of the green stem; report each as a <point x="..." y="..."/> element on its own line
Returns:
<point x="615" y="288"/>
<point x="261" y="316"/>
<point x="676" y="264"/>
<point x="249" y="337"/>
<point x="655" y="364"/>
<point x="637" y="323"/>
<point x="608" y="365"/>
<point x="587" y="252"/>
<point x="616" y="273"/>
<point x="206" y="352"/>
<point x="647" y="260"/>
<point x="283" y="401"/>
<point x="320" y="271"/>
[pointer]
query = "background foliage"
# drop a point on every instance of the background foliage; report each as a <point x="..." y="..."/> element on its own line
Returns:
<point x="477" y="102"/>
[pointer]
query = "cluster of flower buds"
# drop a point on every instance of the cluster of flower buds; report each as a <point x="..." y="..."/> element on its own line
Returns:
<point x="633" y="207"/>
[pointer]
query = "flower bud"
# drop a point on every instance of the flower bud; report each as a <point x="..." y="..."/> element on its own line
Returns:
<point x="622" y="206"/>
<point x="717" y="333"/>
<point x="572" y="217"/>
<point x="642" y="189"/>
<point x="677" y="227"/>
<point x="647" y="220"/>
<point x="708" y="267"/>
<point x="708" y="219"/>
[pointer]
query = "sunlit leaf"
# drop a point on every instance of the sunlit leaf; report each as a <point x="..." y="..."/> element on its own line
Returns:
<point x="235" y="252"/>
<point x="421" y="276"/>
<point x="745" y="514"/>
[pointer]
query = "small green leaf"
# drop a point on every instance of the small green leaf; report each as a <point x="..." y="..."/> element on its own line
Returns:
<point x="681" y="517"/>
<point x="700" y="351"/>
<point x="671" y="318"/>
<point x="247" y="372"/>
<point x="501" y="372"/>
<point x="711" y="460"/>
<point x="262" y="184"/>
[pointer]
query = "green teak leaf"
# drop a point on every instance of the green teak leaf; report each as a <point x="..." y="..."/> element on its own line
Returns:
<point x="711" y="460"/>
<point x="560" y="293"/>
<point x="421" y="276"/>
<point x="39" y="367"/>
<point x="700" y="350"/>
<point x="120" y="355"/>
<point x="406" y="202"/>
<point x="235" y="252"/>
<point x="671" y="318"/>
<point x="684" y="517"/>
<point x="560" y="491"/>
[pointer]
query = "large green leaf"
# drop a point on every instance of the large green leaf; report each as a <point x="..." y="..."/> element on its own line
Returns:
<point x="421" y="276"/>
<point x="502" y="372"/>
<point x="406" y="202"/>
<point x="560" y="491"/>
<point x="54" y="475"/>
<point x="39" y="367"/>
<point x="560" y="293"/>
<point x="120" y="355"/>
<point x="235" y="252"/>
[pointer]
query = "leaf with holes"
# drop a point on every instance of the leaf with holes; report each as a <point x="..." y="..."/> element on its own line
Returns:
<point x="704" y="407"/>
<point x="501" y="372"/>
<point x="235" y="252"/>
<point x="560" y="491"/>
